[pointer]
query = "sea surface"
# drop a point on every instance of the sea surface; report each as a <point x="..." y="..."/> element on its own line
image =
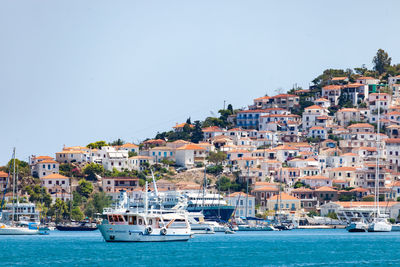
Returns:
<point x="286" y="248"/>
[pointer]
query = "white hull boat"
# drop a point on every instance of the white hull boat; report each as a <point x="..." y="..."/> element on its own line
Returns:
<point x="201" y="228"/>
<point x="13" y="230"/>
<point x="130" y="233"/>
<point x="357" y="227"/>
<point x="122" y="224"/>
<point x="379" y="226"/>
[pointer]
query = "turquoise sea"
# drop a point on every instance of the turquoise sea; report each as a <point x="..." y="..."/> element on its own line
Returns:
<point x="289" y="248"/>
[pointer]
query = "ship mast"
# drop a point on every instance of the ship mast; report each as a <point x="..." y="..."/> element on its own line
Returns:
<point x="377" y="213"/>
<point x="13" y="201"/>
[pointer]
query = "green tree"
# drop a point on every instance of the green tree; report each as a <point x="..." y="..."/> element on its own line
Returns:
<point x="77" y="214"/>
<point x="381" y="61"/>
<point x="132" y="154"/>
<point x="91" y="169"/>
<point x="66" y="169"/>
<point x="332" y="215"/>
<point x="100" y="201"/>
<point x="216" y="157"/>
<point x="38" y="194"/>
<point x="98" y="144"/>
<point x="61" y="210"/>
<point x="225" y="184"/>
<point x="188" y="121"/>
<point x="197" y="133"/>
<point x="215" y="169"/>
<point x="118" y="142"/>
<point x="84" y="188"/>
<point x="90" y="209"/>
<point x="21" y="166"/>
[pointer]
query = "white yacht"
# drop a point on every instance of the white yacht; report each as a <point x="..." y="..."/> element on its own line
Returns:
<point x="17" y="230"/>
<point x="124" y="224"/>
<point x="198" y="225"/>
<point x="11" y="218"/>
<point x="357" y="226"/>
<point x="379" y="224"/>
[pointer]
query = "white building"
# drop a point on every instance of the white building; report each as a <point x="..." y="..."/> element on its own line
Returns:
<point x="311" y="114"/>
<point x="187" y="155"/>
<point x="43" y="165"/>
<point x="111" y="158"/>
<point x="238" y="200"/>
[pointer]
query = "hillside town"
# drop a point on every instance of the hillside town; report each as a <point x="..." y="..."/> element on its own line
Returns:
<point x="313" y="151"/>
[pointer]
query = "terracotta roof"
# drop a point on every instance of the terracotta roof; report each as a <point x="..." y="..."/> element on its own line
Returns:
<point x="129" y="145"/>
<point x="322" y="99"/>
<point x="183" y="125"/>
<point x="359" y="189"/>
<point x="212" y="129"/>
<point x="325" y="189"/>
<point x="266" y="189"/>
<point x="339" y="78"/>
<point x="43" y="157"/>
<point x="47" y="161"/>
<point x="332" y="87"/>
<point x="348" y="110"/>
<point x="71" y="152"/>
<point x="3" y="174"/>
<point x="361" y="125"/>
<point x="366" y="78"/>
<point x="284" y="95"/>
<point x="343" y="169"/>
<point x="241" y="194"/>
<point x="191" y="147"/>
<point x="283" y="196"/>
<point x="154" y="141"/>
<point x="353" y="85"/>
<point x="314" y="107"/>
<point x="349" y="154"/>
<point x="302" y="189"/>
<point x="392" y="140"/>
<point x="317" y="128"/>
<point x="54" y="176"/>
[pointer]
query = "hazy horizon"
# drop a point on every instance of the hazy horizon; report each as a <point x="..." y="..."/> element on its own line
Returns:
<point x="74" y="72"/>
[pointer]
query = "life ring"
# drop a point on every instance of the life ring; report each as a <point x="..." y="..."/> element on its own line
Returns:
<point x="149" y="230"/>
<point x="163" y="231"/>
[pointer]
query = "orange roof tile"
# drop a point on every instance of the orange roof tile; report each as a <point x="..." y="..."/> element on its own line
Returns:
<point x="54" y="176"/>
<point x="177" y="126"/>
<point x="361" y="125"/>
<point x="314" y="107"/>
<point x="266" y="189"/>
<point x="3" y="174"/>
<point x="191" y="147"/>
<point x="129" y="145"/>
<point x="325" y="189"/>
<point x="283" y="196"/>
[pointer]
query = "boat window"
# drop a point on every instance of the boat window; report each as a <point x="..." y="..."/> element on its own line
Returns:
<point x="130" y="219"/>
<point x="110" y="218"/>
<point x="150" y="222"/>
<point x="120" y="218"/>
<point x="126" y="218"/>
<point x="140" y="221"/>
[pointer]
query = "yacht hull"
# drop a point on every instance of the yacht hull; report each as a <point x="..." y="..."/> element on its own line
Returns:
<point x="18" y="231"/>
<point x="128" y="233"/>
<point x="379" y="227"/>
<point x="357" y="227"/>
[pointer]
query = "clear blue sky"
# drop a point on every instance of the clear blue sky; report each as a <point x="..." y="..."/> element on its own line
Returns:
<point x="73" y="72"/>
